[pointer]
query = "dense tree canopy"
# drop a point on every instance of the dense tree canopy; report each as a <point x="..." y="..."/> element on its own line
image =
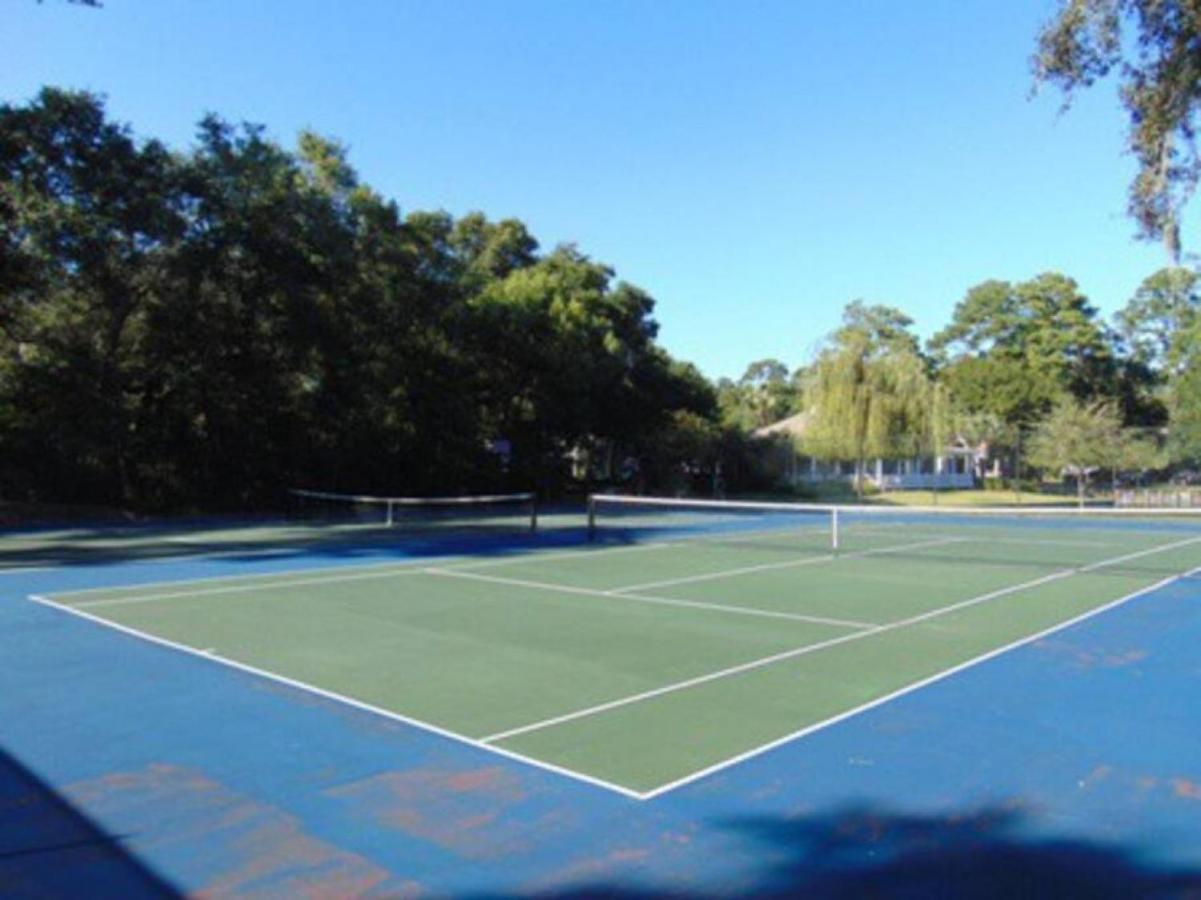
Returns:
<point x="208" y="328"/>
<point x="1012" y="349"/>
<point x="766" y="393"/>
<point x="204" y="329"/>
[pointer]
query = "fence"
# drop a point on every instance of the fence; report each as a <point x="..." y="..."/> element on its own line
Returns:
<point x="1152" y="497"/>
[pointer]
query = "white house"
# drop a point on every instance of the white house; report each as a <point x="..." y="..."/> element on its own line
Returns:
<point x="958" y="466"/>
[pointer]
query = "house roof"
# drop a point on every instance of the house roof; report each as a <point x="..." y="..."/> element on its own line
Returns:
<point x="797" y="424"/>
<point x="794" y="426"/>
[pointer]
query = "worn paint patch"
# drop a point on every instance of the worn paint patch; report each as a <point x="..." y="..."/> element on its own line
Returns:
<point x="592" y="870"/>
<point x="233" y="844"/>
<point x="1096" y="776"/>
<point x="1186" y="789"/>
<point x="474" y="813"/>
<point x="1092" y="657"/>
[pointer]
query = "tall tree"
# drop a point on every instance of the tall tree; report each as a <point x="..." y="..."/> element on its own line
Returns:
<point x="88" y="217"/>
<point x="206" y="329"/>
<point x="765" y="393"/>
<point x="1078" y="438"/>
<point x="1184" y="398"/>
<point x="1012" y="349"/>
<point x="1158" y="317"/>
<point x="1160" y="85"/>
<point x="868" y="393"/>
<point x="885" y="328"/>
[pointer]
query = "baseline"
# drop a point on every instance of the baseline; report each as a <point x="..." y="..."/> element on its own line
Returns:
<point x="340" y="698"/>
<point x="911" y="688"/>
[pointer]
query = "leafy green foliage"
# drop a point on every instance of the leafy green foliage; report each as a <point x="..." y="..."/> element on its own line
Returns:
<point x="765" y="393"/>
<point x="1081" y="438"/>
<point x="882" y="329"/>
<point x="1075" y="436"/>
<point x="1159" y="317"/>
<point x="869" y="393"/>
<point x="1012" y="349"/>
<point x="203" y="330"/>
<point x="1184" y="397"/>
<point x="1159" y="74"/>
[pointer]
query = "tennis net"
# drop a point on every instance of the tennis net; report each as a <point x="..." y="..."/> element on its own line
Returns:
<point x="1109" y="539"/>
<point x="475" y="512"/>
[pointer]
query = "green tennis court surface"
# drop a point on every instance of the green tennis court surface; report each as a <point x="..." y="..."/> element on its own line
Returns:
<point x="643" y="660"/>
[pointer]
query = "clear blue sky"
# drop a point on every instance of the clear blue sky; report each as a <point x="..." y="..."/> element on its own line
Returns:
<point x="754" y="165"/>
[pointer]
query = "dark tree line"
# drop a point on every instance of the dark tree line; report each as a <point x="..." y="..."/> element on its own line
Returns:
<point x="205" y="329"/>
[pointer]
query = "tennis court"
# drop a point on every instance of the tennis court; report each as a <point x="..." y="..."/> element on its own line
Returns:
<point x="681" y="639"/>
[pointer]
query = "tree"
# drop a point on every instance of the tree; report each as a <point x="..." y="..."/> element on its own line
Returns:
<point x="885" y="328"/>
<point x="764" y="394"/>
<point x="1159" y="315"/>
<point x="88" y="220"/>
<point x="203" y="330"/>
<point x="1159" y="85"/>
<point x="1012" y="349"/>
<point x="1136" y="452"/>
<point x="869" y="394"/>
<point x="1154" y="327"/>
<point x="1184" y="398"/>
<point x="1076" y="437"/>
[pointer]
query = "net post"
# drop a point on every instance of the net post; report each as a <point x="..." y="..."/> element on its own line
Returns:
<point x="834" y="541"/>
<point x="390" y="519"/>
<point x="533" y="512"/>
<point x="591" y="518"/>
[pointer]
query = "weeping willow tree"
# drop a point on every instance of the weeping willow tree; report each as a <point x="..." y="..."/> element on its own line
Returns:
<point x="869" y="399"/>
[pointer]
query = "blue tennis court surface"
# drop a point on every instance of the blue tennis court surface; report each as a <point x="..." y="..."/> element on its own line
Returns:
<point x="1069" y="765"/>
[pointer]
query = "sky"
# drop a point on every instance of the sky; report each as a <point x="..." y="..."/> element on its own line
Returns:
<point x="754" y="165"/>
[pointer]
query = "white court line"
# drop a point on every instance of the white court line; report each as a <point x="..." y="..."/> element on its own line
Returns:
<point x="416" y="568"/>
<point x="21" y="570"/>
<point x="1027" y="542"/>
<point x="641" y="598"/>
<point x="549" y="554"/>
<point x="246" y="589"/>
<point x="908" y="689"/>
<point x="342" y="698"/>
<point x="589" y="779"/>
<point x="211" y="579"/>
<point x="536" y="554"/>
<point x="806" y="561"/>
<point x="821" y="645"/>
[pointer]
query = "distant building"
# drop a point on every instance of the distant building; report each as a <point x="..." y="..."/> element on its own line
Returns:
<point x="960" y="465"/>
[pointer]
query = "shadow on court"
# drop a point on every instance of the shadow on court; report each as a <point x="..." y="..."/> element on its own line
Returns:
<point x="114" y="545"/>
<point x="865" y="852"/>
<point x="50" y="849"/>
